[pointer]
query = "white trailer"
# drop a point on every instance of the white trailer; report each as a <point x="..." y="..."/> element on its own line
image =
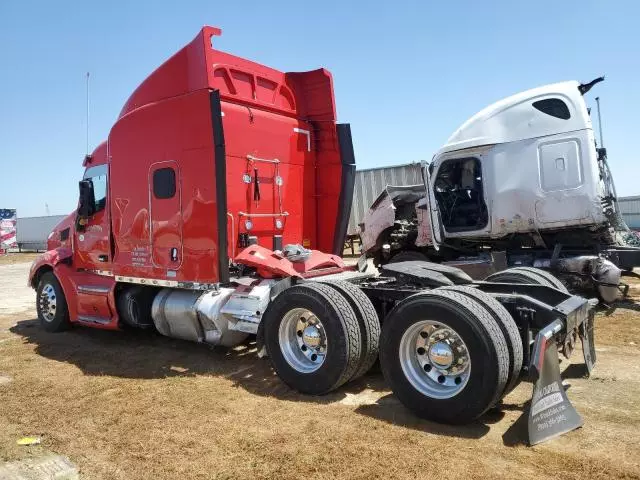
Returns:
<point x="32" y="232"/>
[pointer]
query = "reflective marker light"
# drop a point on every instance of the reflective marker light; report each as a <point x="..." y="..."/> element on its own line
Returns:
<point x="248" y="224"/>
<point x="279" y="224"/>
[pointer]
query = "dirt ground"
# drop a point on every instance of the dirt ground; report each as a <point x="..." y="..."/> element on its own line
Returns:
<point x="13" y="258"/>
<point x="137" y="405"/>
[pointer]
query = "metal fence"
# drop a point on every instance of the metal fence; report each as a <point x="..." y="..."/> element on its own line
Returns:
<point x="372" y="181"/>
<point x="630" y="209"/>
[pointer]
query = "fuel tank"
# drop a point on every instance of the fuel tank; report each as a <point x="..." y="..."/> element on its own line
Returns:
<point x="195" y="316"/>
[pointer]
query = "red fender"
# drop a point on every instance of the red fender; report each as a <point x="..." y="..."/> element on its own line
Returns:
<point x="271" y="265"/>
<point x="267" y="263"/>
<point x="50" y="258"/>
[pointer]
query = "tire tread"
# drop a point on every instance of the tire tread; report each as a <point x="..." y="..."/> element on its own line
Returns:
<point x="368" y="322"/>
<point x="339" y="308"/>
<point x="548" y="276"/>
<point x="508" y="327"/>
<point x="490" y="325"/>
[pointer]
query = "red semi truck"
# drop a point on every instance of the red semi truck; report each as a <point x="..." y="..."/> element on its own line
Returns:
<point x="205" y="215"/>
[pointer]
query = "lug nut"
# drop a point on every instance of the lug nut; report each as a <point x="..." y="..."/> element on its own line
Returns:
<point x="299" y="332"/>
<point x="427" y="367"/>
<point x="458" y="380"/>
<point x="424" y="334"/>
<point x="421" y="351"/>
<point x="314" y="357"/>
<point x="303" y="348"/>
<point x="441" y="379"/>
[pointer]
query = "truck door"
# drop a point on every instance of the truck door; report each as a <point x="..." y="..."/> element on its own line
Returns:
<point x="91" y="243"/>
<point x="165" y="214"/>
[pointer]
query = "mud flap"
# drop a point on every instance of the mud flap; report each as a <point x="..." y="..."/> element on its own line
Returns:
<point x="588" y="343"/>
<point x="551" y="413"/>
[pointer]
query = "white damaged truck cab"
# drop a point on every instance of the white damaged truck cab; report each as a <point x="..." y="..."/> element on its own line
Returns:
<point x="523" y="164"/>
<point x="522" y="176"/>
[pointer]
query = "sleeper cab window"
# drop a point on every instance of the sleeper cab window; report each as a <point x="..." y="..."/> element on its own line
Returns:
<point x="164" y="183"/>
<point x="554" y="107"/>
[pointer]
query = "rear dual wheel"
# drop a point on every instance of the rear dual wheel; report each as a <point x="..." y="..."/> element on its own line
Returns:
<point x="445" y="356"/>
<point x="319" y="336"/>
<point x="535" y="276"/>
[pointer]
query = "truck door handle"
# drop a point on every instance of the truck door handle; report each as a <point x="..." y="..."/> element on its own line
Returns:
<point x="103" y="258"/>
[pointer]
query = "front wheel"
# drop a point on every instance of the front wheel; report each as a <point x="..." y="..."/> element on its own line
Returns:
<point x="51" y="304"/>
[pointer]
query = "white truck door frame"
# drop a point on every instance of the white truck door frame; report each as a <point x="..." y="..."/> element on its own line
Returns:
<point x="435" y="223"/>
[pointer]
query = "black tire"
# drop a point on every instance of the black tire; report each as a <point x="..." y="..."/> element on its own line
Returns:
<point x="408" y="256"/>
<point x="509" y="329"/>
<point x="368" y="321"/>
<point x="550" y="277"/>
<point x="531" y="275"/>
<point x="342" y="331"/>
<point x="52" y="322"/>
<point x="481" y="334"/>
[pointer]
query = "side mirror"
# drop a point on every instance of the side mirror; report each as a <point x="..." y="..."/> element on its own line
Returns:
<point x="87" y="200"/>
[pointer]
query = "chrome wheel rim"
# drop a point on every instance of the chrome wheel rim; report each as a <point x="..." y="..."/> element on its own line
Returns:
<point x="435" y="359"/>
<point x="47" y="302"/>
<point x="303" y="340"/>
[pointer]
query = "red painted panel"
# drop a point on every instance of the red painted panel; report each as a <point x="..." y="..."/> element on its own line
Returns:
<point x="91" y="245"/>
<point x="179" y="130"/>
<point x="83" y="304"/>
<point x="166" y="220"/>
<point x="256" y="135"/>
<point x="267" y="115"/>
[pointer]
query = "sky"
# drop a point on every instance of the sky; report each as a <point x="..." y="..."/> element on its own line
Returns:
<point x="406" y="73"/>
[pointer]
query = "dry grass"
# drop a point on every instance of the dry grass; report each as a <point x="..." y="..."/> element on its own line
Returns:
<point x="133" y="405"/>
<point x="13" y="258"/>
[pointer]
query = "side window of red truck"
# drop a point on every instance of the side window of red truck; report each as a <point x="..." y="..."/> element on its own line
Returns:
<point x="98" y="176"/>
<point x="164" y="183"/>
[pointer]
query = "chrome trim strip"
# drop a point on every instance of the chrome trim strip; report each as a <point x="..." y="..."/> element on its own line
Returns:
<point x="245" y="214"/>
<point x="93" y="289"/>
<point x="155" y="282"/>
<point x="91" y="319"/>
<point x="251" y="158"/>
<point x="104" y="273"/>
<point x="307" y="133"/>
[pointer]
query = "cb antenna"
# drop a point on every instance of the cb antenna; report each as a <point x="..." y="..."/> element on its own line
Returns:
<point x="87" y="113"/>
<point x="599" y="122"/>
